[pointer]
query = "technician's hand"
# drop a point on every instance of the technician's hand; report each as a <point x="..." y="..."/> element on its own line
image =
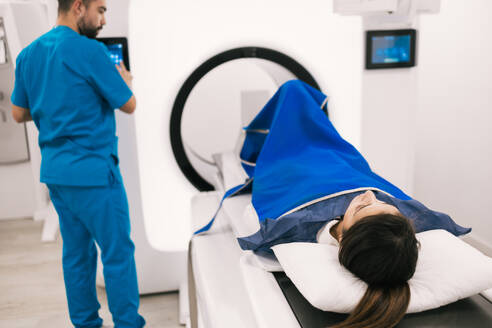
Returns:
<point x="125" y="74"/>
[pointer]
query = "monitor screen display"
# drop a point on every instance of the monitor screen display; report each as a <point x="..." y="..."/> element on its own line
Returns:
<point x="390" y="49"/>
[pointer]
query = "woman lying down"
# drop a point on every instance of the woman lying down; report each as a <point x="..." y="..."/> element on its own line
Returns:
<point x="310" y="185"/>
<point x="378" y="245"/>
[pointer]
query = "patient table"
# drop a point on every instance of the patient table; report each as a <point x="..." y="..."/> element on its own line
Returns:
<point x="227" y="288"/>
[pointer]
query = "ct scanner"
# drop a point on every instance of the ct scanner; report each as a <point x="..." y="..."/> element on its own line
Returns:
<point x="203" y="83"/>
<point x="204" y="69"/>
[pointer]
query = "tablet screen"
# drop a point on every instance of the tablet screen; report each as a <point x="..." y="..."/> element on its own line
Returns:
<point x="118" y="50"/>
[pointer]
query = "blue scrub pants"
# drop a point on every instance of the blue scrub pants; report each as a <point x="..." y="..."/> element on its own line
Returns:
<point x="97" y="214"/>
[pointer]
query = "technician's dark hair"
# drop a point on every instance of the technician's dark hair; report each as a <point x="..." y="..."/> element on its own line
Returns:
<point x="382" y="251"/>
<point x="65" y="5"/>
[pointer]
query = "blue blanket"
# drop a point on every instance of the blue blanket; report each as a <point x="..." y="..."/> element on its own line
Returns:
<point x="302" y="158"/>
<point x="296" y="157"/>
<point x="304" y="174"/>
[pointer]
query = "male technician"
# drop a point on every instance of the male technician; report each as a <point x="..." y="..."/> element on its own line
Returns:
<point x="66" y="82"/>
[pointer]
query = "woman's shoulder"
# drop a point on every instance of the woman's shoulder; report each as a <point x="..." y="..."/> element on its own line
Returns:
<point x="324" y="236"/>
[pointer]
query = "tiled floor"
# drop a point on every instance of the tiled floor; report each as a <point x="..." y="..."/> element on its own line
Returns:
<point x="32" y="294"/>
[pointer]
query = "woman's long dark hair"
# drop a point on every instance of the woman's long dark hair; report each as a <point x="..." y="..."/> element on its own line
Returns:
<point x="382" y="251"/>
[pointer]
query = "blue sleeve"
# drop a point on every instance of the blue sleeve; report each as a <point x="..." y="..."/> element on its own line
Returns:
<point x="19" y="95"/>
<point x="107" y="80"/>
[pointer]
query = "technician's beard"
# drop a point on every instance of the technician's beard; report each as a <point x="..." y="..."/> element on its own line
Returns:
<point x="87" y="30"/>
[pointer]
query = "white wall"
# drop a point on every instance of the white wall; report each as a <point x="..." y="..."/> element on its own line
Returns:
<point x="116" y="19"/>
<point x="453" y="170"/>
<point x="389" y="99"/>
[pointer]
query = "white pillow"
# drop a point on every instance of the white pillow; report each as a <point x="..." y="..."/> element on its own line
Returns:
<point x="448" y="269"/>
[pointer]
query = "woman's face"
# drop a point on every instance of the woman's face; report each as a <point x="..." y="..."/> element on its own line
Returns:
<point x="364" y="205"/>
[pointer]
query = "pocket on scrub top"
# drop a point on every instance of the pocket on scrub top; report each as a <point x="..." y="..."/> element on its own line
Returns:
<point x="114" y="152"/>
<point x="114" y="170"/>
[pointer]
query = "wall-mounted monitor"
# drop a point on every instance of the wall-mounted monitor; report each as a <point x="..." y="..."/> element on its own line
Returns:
<point x="390" y="48"/>
<point x="118" y="50"/>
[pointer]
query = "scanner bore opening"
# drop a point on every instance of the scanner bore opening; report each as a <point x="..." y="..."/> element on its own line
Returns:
<point x="179" y="104"/>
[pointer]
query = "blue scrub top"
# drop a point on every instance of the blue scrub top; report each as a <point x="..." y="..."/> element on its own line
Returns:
<point x="71" y="88"/>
